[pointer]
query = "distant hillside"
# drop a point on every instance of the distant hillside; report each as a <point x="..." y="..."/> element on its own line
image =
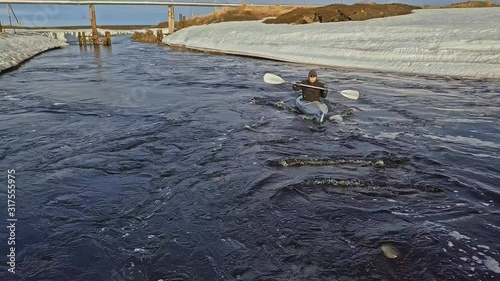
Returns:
<point x="309" y="14"/>
<point x="340" y="12"/>
<point x="241" y="13"/>
<point x="472" y="4"/>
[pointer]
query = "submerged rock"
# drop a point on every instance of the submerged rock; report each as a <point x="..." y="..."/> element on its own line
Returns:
<point x="390" y="251"/>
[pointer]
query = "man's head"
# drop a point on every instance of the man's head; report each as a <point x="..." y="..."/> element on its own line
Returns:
<point x="313" y="76"/>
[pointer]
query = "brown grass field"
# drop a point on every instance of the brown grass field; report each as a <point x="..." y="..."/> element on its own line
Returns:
<point x="340" y="12"/>
<point x="241" y="13"/>
<point x="473" y="4"/>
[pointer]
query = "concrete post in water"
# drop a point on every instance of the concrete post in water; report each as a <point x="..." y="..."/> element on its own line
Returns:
<point x="171" y="19"/>
<point x="180" y="22"/>
<point x="104" y="41"/>
<point x="107" y="38"/>
<point x="84" y="38"/>
<point x="93" y="24"/>
<point x="159" y="36"/>
<point x="80" y="41"/>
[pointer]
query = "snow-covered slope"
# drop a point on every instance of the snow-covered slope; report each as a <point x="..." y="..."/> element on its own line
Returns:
<point x="450" y="42"/>
<point x="15" y="49"/>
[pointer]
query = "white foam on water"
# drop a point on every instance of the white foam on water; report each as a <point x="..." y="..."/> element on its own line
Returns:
<point x="400" y="214"/>
<point x="11" y="98"/>
<point x="465" y="140"/>
<point x="455" y="234"/>
<point x="492" y="264"/>
<point x="443" y="207"/>
<point x="480" y="155"/>
<point x="337" y="118"/>
<point x="483" y="246"/>
<point x="468" y="121"/>
<point x="388" y="135"/>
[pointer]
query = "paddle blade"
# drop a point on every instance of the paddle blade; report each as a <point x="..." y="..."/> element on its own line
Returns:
<point x="273" y="79"/>
<point x="350" y="94"/>
<point x="323" y="108"/>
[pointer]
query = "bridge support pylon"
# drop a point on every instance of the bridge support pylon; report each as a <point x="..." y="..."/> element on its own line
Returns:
<point x="171" y="19"/>
<point x="94" y="38"/>
<point x="93" y="25"/>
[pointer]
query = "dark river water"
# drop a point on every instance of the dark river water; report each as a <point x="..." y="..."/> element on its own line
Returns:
<point x="139" y="162"/>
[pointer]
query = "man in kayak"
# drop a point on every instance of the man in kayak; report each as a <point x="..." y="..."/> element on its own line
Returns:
<point x="311" y="94"/>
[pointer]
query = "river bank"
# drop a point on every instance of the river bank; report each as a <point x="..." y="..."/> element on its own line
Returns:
<point x="444" y="42"/>
<point x="17" y="48"/>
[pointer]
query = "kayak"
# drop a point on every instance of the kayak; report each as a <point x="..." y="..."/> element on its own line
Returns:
<point x="313" y="108"/>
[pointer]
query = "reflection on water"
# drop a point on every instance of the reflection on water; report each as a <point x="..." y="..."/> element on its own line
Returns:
<point x="97" y="51"/>
<point x="143" y="163"/>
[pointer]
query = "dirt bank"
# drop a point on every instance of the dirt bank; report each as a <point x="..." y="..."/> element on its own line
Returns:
<point x="471" y="4"/>
<point x="300" y="14"/>
<point x="147" y="37"/>
<point x="340" y="12"/>
<point x="241" y="13"/>
<point x="309" y="14"/>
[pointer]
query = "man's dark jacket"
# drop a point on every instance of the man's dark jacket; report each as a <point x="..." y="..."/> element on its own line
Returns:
<point x="311" y="94"/>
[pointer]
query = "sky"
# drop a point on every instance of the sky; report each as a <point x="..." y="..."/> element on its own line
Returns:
<point x="57" y="15"/>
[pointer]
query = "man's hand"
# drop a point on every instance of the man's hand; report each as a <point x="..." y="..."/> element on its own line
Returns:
<point x="324" y="92"/>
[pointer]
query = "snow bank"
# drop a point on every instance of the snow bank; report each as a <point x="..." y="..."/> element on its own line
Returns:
<point x="15" y="49"/>
<point x="447" y="42"/>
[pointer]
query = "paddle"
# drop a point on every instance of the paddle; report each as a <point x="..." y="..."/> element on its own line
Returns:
<point x="276" y="80"/>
